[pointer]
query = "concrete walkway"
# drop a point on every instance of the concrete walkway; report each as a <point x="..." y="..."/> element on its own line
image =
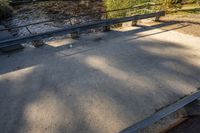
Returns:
<point x="105" y="83"/>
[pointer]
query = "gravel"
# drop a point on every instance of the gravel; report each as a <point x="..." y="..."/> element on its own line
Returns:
<point x="43" y="11"/>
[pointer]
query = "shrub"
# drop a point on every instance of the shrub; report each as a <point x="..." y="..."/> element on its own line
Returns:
<point x="164" y="5"/>
<point x="5" y="9"/>
<point x="119" y="4"/>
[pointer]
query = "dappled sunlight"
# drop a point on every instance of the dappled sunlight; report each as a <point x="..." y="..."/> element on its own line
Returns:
<point x="178" y="39"/>
<point x="104" y="113"/>
<point x="170" y="51"/>
<point x="183" y="54"/>
<point x="125" y="29"/>
<point x="131" y="79"/>
<point x="16" y="78"/>
<point x="20" y="74"/>
<point x="177" y="67"/>
<point x="59" y="42"/>
<point x="47" y="114"/>
<point x="193" y="57"/>
<point x="175" y="51"/>
<point x="193" y="61"/>
<point x="178" y="64"/>
<point x="173" y="81"/>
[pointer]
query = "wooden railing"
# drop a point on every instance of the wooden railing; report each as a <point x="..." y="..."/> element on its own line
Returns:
<point x="105" y="23"/>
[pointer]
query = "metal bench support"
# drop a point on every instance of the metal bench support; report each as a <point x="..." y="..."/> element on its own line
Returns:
<point x="162" y="113"/>
<point x="74" y="35"/>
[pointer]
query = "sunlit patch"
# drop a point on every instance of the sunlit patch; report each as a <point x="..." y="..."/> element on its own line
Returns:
<point x="177" y="67"/>
<point x="131" y="79"/>
<point x="59" y="42"/>
<point x="102" y="112"/>
<point x="47" y="114"/>
<point x="18" y="78"/>
<point x="179" y="86"/>
<point x="126" y="28"/>
<point x="102" y="64"/>
<point x="19" y="73"/>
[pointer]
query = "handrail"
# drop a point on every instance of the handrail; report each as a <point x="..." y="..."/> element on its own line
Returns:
<point x="78" y="28"/>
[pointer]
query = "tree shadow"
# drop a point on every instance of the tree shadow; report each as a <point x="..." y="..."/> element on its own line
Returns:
<point x="140" y="29"/>
<point x="99" y="86"/>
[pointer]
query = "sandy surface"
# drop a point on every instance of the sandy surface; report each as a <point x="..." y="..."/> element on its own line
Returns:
<point x="191" y="23"/>
<point x="104" y="84"/>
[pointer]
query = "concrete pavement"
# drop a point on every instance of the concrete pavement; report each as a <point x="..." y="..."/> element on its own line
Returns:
<point x="105" y="83"/>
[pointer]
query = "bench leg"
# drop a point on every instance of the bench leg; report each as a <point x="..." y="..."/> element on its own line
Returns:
<point x="75" y="35"/>
<point x="38" y="43"/>
<point x="157" y="18"/>
<point x="134" y="23"/>
<point x="106" y="28"/>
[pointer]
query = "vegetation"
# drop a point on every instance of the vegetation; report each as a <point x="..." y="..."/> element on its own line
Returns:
<point x="5" y="9"/>
<point x="118" y="4"/>
<point x="164" y="5"/>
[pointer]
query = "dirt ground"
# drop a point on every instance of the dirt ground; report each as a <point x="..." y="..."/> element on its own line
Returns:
<point x="191" y="23"/>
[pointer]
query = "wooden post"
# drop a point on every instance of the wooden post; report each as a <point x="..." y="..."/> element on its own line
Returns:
<point x="75" y="35"/>
<point x="38" y="43"/>
<point x="157" y="18"/>
<point x="106" y="28"/>
<point x="134" y="23"/>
